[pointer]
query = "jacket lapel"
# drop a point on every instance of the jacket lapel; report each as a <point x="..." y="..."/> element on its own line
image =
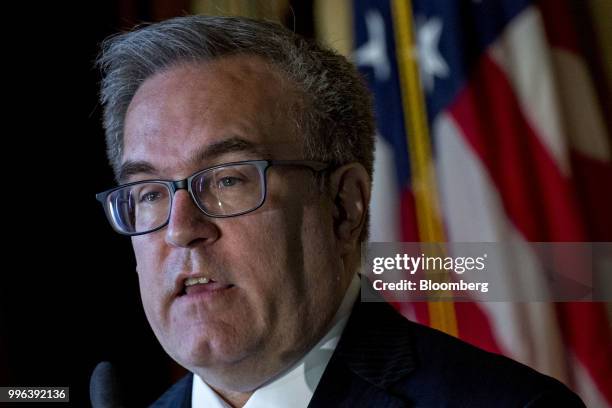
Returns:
<point x="373" y="354"/>
<point x="178" y="396"/>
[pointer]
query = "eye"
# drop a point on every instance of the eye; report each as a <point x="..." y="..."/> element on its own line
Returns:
<point x="228" y="181"/>
<point x="150" y="194"/>
<point x="150" y="197"/>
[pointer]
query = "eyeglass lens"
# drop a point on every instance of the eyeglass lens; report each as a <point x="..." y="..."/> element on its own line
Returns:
<point x="221" y="191"/>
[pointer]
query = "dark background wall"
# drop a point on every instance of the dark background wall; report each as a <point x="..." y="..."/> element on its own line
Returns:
<point x="68" y="288"/>
<point x="69" y="294"/>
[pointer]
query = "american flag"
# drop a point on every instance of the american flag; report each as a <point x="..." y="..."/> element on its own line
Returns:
<point x="514" y="146"/>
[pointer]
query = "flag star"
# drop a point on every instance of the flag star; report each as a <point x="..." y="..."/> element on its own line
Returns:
<point x="431" y="62"/>
<point x="374" y="52"/>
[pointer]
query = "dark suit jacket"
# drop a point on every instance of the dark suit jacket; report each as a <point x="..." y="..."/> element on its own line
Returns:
<point x="384" y="360"/>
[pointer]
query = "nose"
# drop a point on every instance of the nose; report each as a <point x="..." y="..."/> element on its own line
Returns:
<point x="188" y="225"/>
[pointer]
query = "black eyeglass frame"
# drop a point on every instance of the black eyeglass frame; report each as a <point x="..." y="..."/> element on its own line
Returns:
<point x="186" y="184"/>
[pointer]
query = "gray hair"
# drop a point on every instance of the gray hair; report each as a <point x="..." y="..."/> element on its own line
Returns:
<point x="336" y="119"/>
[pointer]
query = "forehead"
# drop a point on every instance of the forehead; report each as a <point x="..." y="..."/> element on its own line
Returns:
<point x="182" y="110"/>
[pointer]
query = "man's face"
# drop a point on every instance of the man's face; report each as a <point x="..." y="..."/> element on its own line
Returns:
<point x="277" y="279"/>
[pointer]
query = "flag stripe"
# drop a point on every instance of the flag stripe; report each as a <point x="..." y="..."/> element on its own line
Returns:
<point x="523" y="55"/>
<point x="475" y="328"/>
<point x="559" y="24"/>
<point x="474" y="213"/>
<point x="596" y="200"/>
<point x="590" y="341"/>
<point x="547" y="209"/>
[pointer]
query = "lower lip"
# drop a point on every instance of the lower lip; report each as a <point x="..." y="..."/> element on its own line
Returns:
<point x="208" y="290"/>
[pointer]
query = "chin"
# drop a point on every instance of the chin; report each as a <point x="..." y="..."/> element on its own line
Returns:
<point x="206" y="353"/>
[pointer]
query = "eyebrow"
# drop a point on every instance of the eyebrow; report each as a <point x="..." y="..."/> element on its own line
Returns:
<point x="204" y="154"/>
<point x="230" y="145"/>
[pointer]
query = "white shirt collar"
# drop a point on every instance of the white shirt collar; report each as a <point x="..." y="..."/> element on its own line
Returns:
<point x="296" y="386"/>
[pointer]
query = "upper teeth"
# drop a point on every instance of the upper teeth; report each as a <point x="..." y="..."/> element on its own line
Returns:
<point x="195" y="281"/>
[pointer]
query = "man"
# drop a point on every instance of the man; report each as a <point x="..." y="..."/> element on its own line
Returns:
<point x="244" y="158"/>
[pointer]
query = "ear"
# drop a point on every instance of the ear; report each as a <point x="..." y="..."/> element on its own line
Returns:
<point x="350" y="189"/>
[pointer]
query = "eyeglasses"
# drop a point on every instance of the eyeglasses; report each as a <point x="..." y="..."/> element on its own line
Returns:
<point x="226" y="190"/>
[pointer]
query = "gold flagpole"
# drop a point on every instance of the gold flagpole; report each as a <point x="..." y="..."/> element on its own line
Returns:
<point x="442" y="314"/>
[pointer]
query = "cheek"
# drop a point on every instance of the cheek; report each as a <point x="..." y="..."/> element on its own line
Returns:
<point x="265" y="252"/>
<point x="322" y="266"/>
<point x="149" y="251"/>
<point x="149" y="266"/>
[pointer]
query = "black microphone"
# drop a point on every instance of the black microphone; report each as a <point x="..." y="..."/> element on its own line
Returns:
<point x="104" y="388"/>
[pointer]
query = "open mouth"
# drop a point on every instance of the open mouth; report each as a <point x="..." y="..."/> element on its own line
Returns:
<point x="202" y="285"/>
